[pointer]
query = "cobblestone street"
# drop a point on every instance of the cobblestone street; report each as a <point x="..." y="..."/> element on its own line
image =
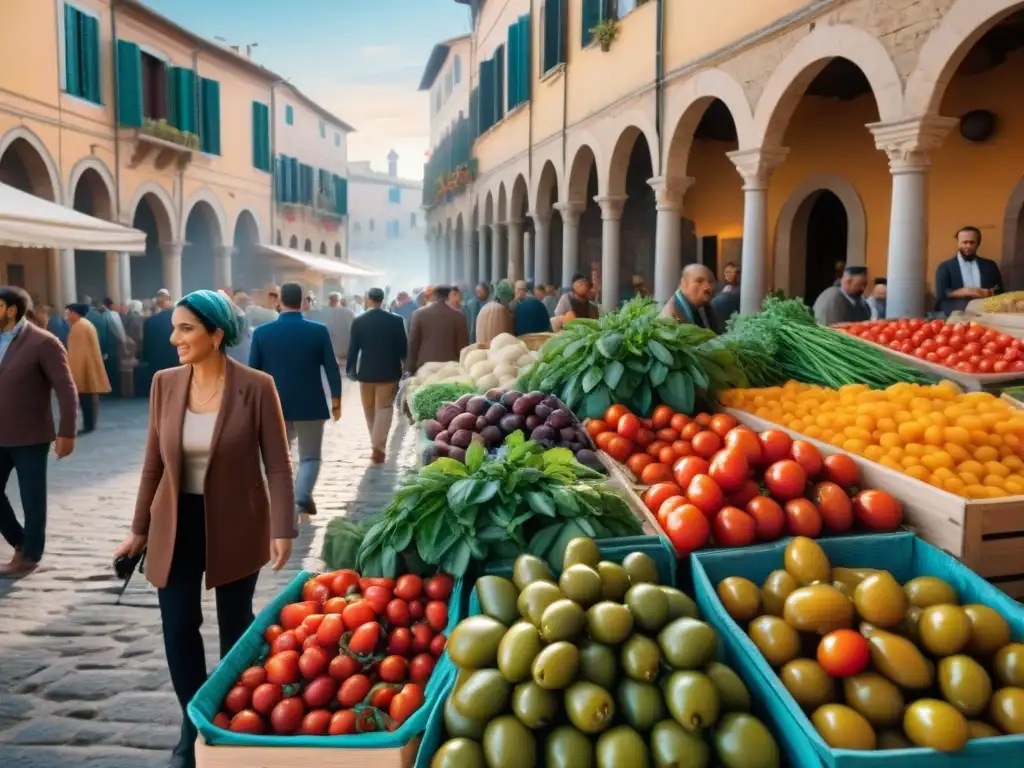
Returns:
<point x="83" y="681"/>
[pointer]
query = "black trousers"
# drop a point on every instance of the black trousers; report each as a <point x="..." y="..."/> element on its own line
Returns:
<point x="29" y="461"/>
<point x="88" y="405"/>
<point x="181" y="608"/>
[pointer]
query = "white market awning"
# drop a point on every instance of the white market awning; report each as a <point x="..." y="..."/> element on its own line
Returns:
<point x="323" y="264"/>
<point x="27" y="221"/>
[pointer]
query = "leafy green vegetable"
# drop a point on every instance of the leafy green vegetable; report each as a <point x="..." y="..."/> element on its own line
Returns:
<point x="428" y="399"/>
<point x="450" y="514"/>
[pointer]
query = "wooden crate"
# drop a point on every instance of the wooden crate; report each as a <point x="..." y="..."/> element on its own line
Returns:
<point x="303" y="757"/>
<point x="987" y="535"/>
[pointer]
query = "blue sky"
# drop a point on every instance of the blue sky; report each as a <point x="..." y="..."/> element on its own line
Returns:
<point x="361" y="59"/>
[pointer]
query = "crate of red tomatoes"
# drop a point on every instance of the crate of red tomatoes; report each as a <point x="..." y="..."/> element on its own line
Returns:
<point x="335" y="661"/>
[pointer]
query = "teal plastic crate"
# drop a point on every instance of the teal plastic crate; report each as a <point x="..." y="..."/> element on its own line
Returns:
<point x="905" y="556"/>
<point x="206" y="703"/>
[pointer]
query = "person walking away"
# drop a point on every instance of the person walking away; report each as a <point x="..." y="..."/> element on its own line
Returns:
<point x="495" y="318"/>
<point x="265" y="311"/>
<point x="473" y="305"/>
<point x="294" y="350"/>
<point x="203" y="505"/>
<point x="531" y="316"/>
<point x="134" y="323"/>
<point x="437" y="333"/>
<point x="404" y="308"/>
<point x="33" y="366"/>
<point x="876" y="301"/>
<point x="691" y="303"/>
<point x="86" y="362"/>
<point x="338" y="320"/>
<point x="967" y="275"/>
<point x="844" y="303"/>
<point x="377" y="348"/>
<point x="102" y="320"/>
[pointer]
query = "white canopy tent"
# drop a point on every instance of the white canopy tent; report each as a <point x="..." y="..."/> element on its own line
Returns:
<point x="27" y="221"/>
<point x="323" y="265"/>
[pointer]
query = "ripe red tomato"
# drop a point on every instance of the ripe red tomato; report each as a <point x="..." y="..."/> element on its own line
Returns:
<point x="595" y="427"/>
<point x="807" y="456"/>
<point x="342" y="722"/>
<point x="844" y="652"/>
<point x="398" y="613"/>
<point x="308" y="587"/>
<point x="667" y="456"/>
<point x="358" y="613"/>
<point x="682" y="448"/>
<point x="271" y="633"/>
<point x="293" y="614"/>
<point x="687" y="528"/>
<point x="409" y="587"/>
<point x="320" y="691"/>
<point x="613" y="414"/>
<point x="365" y="638"/>
<point x="378" y="597"/>
<point x="381" y="696"/>
<point x="656" y="495"/>
<point x="336" y="604"/>
<point x="393" y="669"/>
<point x="253" y="677"/>
<point x="287" y="716"/>
<point x="343" y="667"/>
<point x="312" y="623"/>
<point x="283" y="668"/>
<point x="437" y="645"/>
<point x="313" y="662"/>
<point x="743" y="496"/>
<point x="330" y="631"/>
<point x="679" y="422"/>
<point x="439" y="587"/>
<point x="620" y="449"/>
<point x="416" y="610"/>
<point x="266" y="697"/>
<point x="730" y="468"/>
<point x="705" y="494"/>
<point x="746" y="441"/>
<point x="644" y="437"/>
<point x="667" y="435"/>
<point x="629" y="426"/>
<point x="656" y="473"/>
<point x="662" y="416"/>
<point x="420" y="668"/>
<point x="722" y="423"/>
<point x="688" y="468"/>
<point x="834" y="505"/>
<point x="842" y="470"/>
<point x="785" y="480"/>
<point x="734" y="528"/>
<point x="315" y="723"/>
<point x="654" y="449"/>
<point x="671" y="503"/>
<point x="774" y="445"/>
<point x="354" y="690"/>
<point x="238" y="698"/>
<point x="706" y="444"/>
<point x="637" y="462"/>
<point x="436" y="614"/>
<point x="877" y="510"/>
<point x="222" y="720"/>
<point x="421" y="637"/>
<point x="247" y="721"/>
<point x="368" y="581"/>
<point x="400" y="641"/>
<point x="769" y="517"/>
<point x="406" y="702"/>
<point x="803" y="518"/>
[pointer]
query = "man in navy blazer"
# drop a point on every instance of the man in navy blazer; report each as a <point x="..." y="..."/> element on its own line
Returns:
<point x="966" y="276"/>
<point x="293" y="350"/>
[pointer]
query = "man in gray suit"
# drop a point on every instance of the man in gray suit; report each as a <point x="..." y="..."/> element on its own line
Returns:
<point x="338" y="320"/>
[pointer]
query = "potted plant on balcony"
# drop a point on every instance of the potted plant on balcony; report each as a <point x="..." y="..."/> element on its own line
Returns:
<point x="163" y="130"/>
<point x="605" y="32"/>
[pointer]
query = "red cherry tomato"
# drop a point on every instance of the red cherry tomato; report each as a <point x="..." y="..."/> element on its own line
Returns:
<point x="843" y="653"/>
<point x="688" y="529"/>
<point x="734" y="528"/>
<point x="786" y="480"/>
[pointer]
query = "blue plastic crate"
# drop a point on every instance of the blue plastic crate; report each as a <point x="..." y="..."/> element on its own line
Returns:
<point x="905" y="556"/>
<point x="206" y="703"/>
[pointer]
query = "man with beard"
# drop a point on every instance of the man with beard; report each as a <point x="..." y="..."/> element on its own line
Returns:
<point x="844" y="303"/>
<point x="966" y="276"/>
<point x="691" y="303"/>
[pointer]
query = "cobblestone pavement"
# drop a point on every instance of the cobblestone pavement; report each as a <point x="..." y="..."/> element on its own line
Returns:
<point x="83" y="681"/>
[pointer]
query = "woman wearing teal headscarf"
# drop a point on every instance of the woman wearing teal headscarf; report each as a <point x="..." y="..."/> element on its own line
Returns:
<point x="203" y="506"/>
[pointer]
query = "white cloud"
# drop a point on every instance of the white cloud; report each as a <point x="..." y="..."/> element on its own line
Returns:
<point x="375" y="51"/>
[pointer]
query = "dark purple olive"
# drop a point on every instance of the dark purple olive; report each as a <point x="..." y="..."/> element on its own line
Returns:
<point x="448" y="412"/>
<point x="492" y="436"/>
<point x="543" y="433"/>
<point x="566" y="434"/>
<point x="510" y="422"/>
<point x="495" y="412"/>
<point x="462" y="421"/>
<point x="481" y="422"/>
<point x="477" y="405"/>
<point x="543" y="411"/>
<point x="462" y="438"/>
<point x="441" y="449"/>
<point x="559" y="419"/>
<point x="526" y="404"/>
<point x="510" y="397"/>
<point x="532" y="422"/>
<point x="443" y="437"/>
<point x="432" y="428"/>
<point x="459" y="454"/>
<point x="550" y="401"/>
<point x="463" y="401"/>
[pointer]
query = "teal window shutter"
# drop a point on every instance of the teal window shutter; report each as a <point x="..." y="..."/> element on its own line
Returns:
<point x="183" y="99"/>
<point x="294" y="186"/>
<point x="289" y="114"/>
<point x="279" y="180"/>
<point x="554" y="34"/>
<point x="261" y="136"/>
<point x="499" y="83"/>
<point x="342" y="196"/>
<point x="89" y="47"/>
<point x="512" y="97"/>
<point x="593" y="12"/>
<point x="72" y="51"/>
<point x="525" y="57"/>
<point x="209" y="130"/>
<point x="129" y="84"/>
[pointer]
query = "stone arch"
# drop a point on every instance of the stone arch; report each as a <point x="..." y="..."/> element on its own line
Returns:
<point x="579" y="174"/>
<point x="961" y="27"/>
<point x="251" y="219"/>
<point x="205" y="195"/>
<point x="687" y="105"/>
<point x="211" y="218"/>
<point x="100" y="199"/>
<point x="323" y="247"/>
<point x="1012" y="265"/>
<point x="790" y="230"/>
<point x="546" y="189"/>
<point x="489" y="208"/>
<point x="337" y="251"/>
<point x="41" y="168"/>
<point x="790" y="80"/>
<point x="159" y="199"/>
<point x="520" y="200"/>
<point x="293" y="243"/>
<point x="100" y="168"/>
<point x="247" y="229"/>
<point x="308" y="246"/>
<point x="633" y="125"/>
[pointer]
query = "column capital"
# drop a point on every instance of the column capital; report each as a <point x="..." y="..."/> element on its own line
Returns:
<point x="571" y="210"/>
<point x="611" y="206"/>
<point x="907" y="143"/>
<point x="669" y="192"/>
<point x="173" y="248"/>
<point x="540" y="217"/>
<point x="757" y="165"/>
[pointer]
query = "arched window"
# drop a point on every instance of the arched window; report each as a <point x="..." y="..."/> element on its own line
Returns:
<point x="294" y="242"/>
<point x="308" y="247"/>
<point x="337" y="250"/>
<point x="457" y="69"/>
<point x="323" y="249"/>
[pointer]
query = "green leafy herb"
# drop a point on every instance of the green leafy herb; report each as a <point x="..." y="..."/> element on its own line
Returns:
<point x="428" y="399"/>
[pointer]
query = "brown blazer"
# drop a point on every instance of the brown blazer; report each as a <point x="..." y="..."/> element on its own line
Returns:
<point x="241" y="518"/>
<point x="35" y="365"/>
<point x="437" y="334"/>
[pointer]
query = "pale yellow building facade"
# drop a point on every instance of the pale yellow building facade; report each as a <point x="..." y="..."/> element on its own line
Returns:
<point x="784" y="135"/>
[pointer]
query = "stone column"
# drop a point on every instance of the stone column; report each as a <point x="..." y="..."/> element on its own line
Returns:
<point x="541" y="247"/>
<point x="611" y="230"/>
<point x="222" y="256"/>
<point x="124" y="268"/>
<point x="668" y="195"/>
<point x="499" y="252"/>
<point x="571" y="212"/>
<point x="53" y="279"/>
<point x="756" y="167"/>
<point x="113" y="263"/>
<point x="482" y="258"/>
<point x="907" y="144"/>
<point x="430" y="258"/>
<point x="454" y="265"/>
<point x="172" y="268"/>
<point x="528" y="268"/>
<point x="516" y="261"/>
<point x="469" y="261"/>
<point x="68" y="282"/>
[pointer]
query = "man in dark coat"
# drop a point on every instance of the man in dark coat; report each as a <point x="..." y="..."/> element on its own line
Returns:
<point x="966" y="276"/>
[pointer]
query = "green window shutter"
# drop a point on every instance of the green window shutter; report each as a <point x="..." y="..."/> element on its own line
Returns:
<point x="129" y="84"/>
<point x="89" y="52"/>
<point x="342" y="196"/>
<point x="183" y="99"/>
<point x="483" y="121"/>
<point x="552" y="29"/>
<point x="593" y="12"/>
<point x="499" y="83"/>
<point x="261" y="136"/>
<point x="294" y="186"/>
<point x="72" y="52"/>
<point x="209" y="131"/>
<point x="512" y="97"/>
<point x="525" y="57"/>
<point x="279" y="180"/>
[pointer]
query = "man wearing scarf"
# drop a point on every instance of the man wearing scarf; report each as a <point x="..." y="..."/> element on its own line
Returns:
<point x="691" y="303"/>
<point x="966" y="276"/>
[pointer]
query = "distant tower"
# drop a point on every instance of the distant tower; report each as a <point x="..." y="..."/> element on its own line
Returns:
<point x="392" y="163"/>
